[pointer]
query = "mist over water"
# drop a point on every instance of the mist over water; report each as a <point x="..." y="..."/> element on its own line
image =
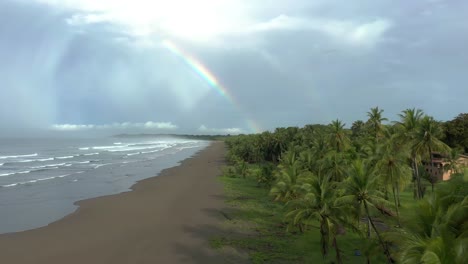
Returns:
<point x="41" y="179"/>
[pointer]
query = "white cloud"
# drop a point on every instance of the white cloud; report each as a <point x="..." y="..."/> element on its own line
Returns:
<point x="80" y="19"/>
<point x="364" y="33"/>
<point x="193" y="20"/>
<point x="71" y="127"/>
<point x="232" y="131"/>
<point x="160" y="125"/>
<point x="116" y="126"/>
<point x="209" y="21"/>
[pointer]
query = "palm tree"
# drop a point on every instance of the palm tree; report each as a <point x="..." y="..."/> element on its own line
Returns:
<point x="320" y="204"/>
<point x="289" y="180"/>
<point x="358" y="129"/>
<point x="338" y="138"/>
<point x="241" y="168"/>
<point x="320" y="145"/>
<point x="334" y="165"/>
<point x="288" y="158"/>
<point x="426" y="140"/>
<point x="375" y="121"/>
<point x="308" y="160"/>
<point x="410" y="120"/>
<point x="361" y="192"/>
<point x="437" y="231"/>
<point x="278" y="146"/>
<point x="393" y="167"/>
<point x="451" y="161"/>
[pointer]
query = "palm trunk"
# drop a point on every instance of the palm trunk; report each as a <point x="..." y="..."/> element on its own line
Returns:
<point x="368" y="237"/>
<point x="323" y="240"/>
<point x="396" y="206"/>
<point x="433" y="179"/>
<point x="415" y="188"/>
<point x="384" y="246"/>
<point x="398" y="193"/>
<point x="339" y="260"/>
<point x="395" y="199"/>
<point x="418" y="179"/>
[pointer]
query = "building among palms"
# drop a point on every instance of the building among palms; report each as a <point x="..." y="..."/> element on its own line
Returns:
<point x="441" y="169"/>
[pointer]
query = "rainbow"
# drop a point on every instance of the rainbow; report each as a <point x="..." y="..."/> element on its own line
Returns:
<point x="202" y="71"/>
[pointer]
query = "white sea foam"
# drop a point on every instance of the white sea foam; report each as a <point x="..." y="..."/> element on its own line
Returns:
<point x="133" y="154"/>
<point x="1" y="164"/>
<point x="65" y="157"/>
<point x="189" y="147"/>
<point x="45" y="179"/>
<point x="92" y="154"/>
<point x="39" y="167"/>
<point x="38" y="180"/>
<point x="18" y="156"/>
<point x="135" y="148"/>
<point x="10" y="185"/>
<point x="57" y="165"/>
<point x="101" y="165"/>
<point x="84" y="148"/>
<point x="153" y="151"/>
<point x="51" y="166"/>
<point x="108" y="147"/>
<point x="35" y="160"/>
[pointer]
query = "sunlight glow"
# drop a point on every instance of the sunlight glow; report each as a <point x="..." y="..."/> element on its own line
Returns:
<point x="195" y="20"/>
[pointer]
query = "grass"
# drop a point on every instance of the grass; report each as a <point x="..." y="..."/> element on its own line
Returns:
<point x="260" y="230"/>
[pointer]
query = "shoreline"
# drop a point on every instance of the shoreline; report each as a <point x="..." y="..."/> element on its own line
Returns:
<point x="21" y="213"/>
<point x="152" y="222"/>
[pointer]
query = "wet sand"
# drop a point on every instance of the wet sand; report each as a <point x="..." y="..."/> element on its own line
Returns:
<point x="164" y="219"/>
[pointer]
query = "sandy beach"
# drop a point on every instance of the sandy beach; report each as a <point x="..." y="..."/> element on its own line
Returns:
<point x="164" y="219"/>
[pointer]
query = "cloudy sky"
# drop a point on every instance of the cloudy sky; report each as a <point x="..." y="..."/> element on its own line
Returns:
<point x="240" y="65"/>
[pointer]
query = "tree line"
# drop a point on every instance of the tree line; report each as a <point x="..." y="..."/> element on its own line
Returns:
<point x="342" y="180"/>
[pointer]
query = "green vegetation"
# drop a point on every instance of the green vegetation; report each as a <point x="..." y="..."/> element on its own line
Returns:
<point x="456" y="132"/>
<point x="327" y="194"/>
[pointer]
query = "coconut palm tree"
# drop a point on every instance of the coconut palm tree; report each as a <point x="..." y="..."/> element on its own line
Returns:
<point x="394" y="169"/>
<point x="361" y="192"/>
<point x="289" y="181"/>
<point x="426" y="140"/>
<point x="320" y="145"/>
<point x="319" y="204"/>
<point x="338" y="138"/>
<point x="375" y="122"/>
<point x="410" y="120"/>
<point x="437" y="231"/>
<point x="334" y="165"/>
<point x="289" y="158"/>
<point x="451" y="161"/>
<point x="358" y="129"/>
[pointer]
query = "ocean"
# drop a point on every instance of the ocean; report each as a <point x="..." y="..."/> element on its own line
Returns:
<point x="41" y="179"/>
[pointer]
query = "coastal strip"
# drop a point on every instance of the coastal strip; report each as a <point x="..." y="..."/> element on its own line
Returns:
<point x="164" y="219"/>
